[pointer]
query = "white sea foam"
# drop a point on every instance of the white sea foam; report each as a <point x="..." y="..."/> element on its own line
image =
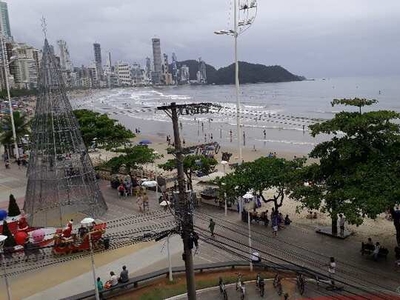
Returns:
<point x="286" y="142"/>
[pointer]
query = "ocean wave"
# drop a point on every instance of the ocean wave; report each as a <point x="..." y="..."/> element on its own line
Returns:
<point x="286" y="142"/>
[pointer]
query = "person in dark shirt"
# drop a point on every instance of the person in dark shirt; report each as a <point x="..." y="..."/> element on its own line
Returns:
<point x="124" y="276"/>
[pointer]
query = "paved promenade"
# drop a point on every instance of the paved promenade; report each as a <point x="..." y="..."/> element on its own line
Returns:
<point x="298" y="244"/>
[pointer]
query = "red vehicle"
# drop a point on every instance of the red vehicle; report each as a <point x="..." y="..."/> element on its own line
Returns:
<point x="79" y="242"/>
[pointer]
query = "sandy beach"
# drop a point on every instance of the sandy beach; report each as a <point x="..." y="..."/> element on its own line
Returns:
<point x="381" y="229"/>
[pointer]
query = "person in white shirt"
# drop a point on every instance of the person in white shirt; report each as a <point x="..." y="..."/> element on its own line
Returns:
<point x="113" y="279"/>
<point x="341" y="224"/>
<point x="332" y="269"/>
<point x="375" y="253"/>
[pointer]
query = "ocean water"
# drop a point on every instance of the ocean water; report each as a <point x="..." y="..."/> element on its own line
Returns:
<point x="283" y="110"/>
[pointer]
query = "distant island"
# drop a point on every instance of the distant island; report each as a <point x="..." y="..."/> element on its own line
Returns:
<point x="248" y="73"/>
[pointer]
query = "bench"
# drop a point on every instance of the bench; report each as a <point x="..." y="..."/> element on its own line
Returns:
<point x="369" y="249"/>
<point x="133" y="282"/>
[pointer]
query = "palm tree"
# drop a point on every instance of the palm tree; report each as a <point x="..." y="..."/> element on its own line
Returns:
<point x="22" y="126"/>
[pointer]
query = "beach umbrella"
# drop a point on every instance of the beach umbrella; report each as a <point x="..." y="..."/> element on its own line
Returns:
<point x="165" y="203"/>
<point x="86" y="221"/>
<point x="248" y="196"/>
<point x="149" y="183"/>
<point x="145" y="142"/>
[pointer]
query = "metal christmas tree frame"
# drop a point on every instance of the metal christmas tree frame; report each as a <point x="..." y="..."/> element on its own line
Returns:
<point x="61" y="178"/>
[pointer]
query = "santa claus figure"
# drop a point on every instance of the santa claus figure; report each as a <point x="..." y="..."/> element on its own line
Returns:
<point x="68" y="229"/>
<point x="22" y="223"/>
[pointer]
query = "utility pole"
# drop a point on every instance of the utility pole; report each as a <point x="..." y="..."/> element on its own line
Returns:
<point x="184" y="210"/>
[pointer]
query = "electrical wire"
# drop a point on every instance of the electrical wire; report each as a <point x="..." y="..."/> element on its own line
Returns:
<point x="245" y="235"/>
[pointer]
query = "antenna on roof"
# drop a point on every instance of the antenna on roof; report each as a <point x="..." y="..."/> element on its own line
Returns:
<point x="44" y="26"/>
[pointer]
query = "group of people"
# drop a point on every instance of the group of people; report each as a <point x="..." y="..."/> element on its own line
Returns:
<point x="127" y="186"/>
<point x="21" y="161"/>
<point x="374" y="247"/>
<point x="278" y="221"/>
<point x="114" y="280"/>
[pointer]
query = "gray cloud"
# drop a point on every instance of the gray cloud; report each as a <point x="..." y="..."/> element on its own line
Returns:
<point x="309" y="37"/>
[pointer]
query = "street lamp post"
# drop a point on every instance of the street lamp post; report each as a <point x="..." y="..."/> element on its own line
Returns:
<point x="249" y="196"/>
<point x="87" y="222"/>
<point x="6" y="66"/>
<point x="224" y="163"/>
<point x="155" y="175"/>
<point x="2" y="241"/>
<point x="243" y="17"/>
<point x="250" y="247"/>
<point x="169" y="261"/>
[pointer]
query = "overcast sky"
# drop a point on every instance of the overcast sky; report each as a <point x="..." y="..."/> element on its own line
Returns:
<point x="315" y="38"/>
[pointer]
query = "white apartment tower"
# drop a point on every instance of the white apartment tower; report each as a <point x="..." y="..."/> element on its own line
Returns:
<point x="123" y="73"/>
<point x="65" y="60"/>
<point x="25" y="66"/>
<point x="5" y="28"/>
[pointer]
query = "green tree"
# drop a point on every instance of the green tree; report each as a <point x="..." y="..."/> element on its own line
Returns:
<point x="13" y="209"/>
<point x="22" y="127"/>
<point x="132" y="158"/>
<point x="99" y="127"/>
<point x="10" y="241"/>
<point x="262" y="174"/>
<point x="18" y="93"/>
<point x="192" y="164"/>
<point x="358" y="169"/>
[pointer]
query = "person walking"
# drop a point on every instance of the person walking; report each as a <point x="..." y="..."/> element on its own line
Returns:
<point x="332" y="269"/>
<point x="211" y="226"/>
<point x="341" y="224"/>
<point x="274" y="221"/>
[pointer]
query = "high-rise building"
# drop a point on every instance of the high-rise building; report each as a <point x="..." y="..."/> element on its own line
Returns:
<point x="97" y="60"/>
<point x="24" y="67"/>
<point x="202" y="72"/>
<point x="166" y="75"/>
<point x="123" y="73"/>
<point x="5" y="28"/>
<point x="185" y="75"/>
<point x="174" y="68"/>
<point x="65" y="63"/>
<point x="65" y="60"/>
<point x="157" y="60"/>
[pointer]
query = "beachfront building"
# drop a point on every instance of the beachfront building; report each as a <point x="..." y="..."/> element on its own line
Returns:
<point x="98" y="63"/>
<point x="5" y="28"/>
<point x="147" y="71"/>
<point x="166" y="75"/>
<point x="174" y="68"/>
<point x="25" y="66"/>
<point x="123" y="73"/>
<point x="184" y="75"/>
<point x="137" y="74"/>
<point x="157" y="61"/>
<point x="202" y="72"/>
<point x="66" y="65"/>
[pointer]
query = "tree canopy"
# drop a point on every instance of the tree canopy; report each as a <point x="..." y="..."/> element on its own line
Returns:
<point x="22" y="127"/>
<point x="358" y="173"/>
<point x="192" y="164"/>
<point x="99" y="127"/>
<point x="262" y="174"/>
<point x="132" y="158"/>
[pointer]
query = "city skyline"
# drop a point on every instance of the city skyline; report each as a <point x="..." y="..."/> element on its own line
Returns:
<point x="312" y="38"/>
